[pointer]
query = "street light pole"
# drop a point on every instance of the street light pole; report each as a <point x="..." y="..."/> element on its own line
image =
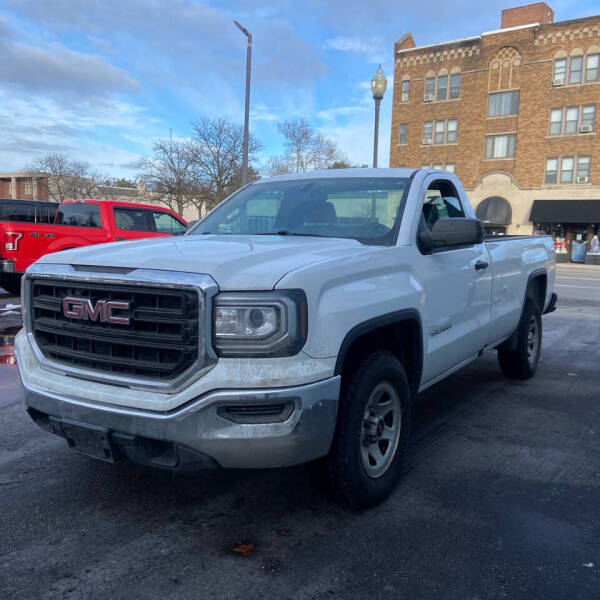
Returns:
<point x="378" y="85"/>
<point x="247" y="106"/>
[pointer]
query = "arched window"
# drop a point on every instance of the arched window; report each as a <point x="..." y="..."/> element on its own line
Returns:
<point x="505" y="69"/>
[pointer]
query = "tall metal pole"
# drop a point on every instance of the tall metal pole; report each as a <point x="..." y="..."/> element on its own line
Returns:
<point x="376" y="136"/>
<point x="247" y="107"/>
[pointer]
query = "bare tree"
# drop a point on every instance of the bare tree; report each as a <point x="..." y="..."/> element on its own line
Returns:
<point x="216" y="148"/>
<point x="305" y="149"/>
<point x="168" y="173"/>
<point x="67" y="178"/>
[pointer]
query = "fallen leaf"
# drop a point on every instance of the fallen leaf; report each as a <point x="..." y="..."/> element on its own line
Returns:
<point x="244" y="549"/>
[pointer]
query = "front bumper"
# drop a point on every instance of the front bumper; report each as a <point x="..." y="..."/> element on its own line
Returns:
<point x="197" y="435"/>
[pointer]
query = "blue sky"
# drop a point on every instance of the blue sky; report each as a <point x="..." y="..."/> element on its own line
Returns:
<point x="101" y="79"/>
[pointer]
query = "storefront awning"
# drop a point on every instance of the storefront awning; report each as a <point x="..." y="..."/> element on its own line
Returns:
<point x="565" y="211"/>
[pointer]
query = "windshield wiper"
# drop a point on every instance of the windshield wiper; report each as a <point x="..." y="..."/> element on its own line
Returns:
<point x="286" y="232"/>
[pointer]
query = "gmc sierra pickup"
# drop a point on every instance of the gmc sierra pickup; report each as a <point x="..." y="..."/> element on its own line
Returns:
<point x="297" y="321"/>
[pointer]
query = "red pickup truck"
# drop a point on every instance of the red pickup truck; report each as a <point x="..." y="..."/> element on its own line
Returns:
<point x="79" y="223"/>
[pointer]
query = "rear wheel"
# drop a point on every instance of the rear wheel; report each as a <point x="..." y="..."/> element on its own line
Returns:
<point x="522" y="362"/>
<point x="370" y="441"/>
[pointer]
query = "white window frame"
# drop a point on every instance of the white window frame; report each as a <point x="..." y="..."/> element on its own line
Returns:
<point x="403" y="132"/>
<point x="568" y="121"/>
<point x="566" y="70"/>
<point x="556" y="159"/>
<point x="563" y="170"/>
<point x="405" y="90"/>
<point x="588" y="168"/>
<point x="596" y="68"/>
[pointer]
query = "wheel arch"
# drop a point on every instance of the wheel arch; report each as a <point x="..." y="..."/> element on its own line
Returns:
<point x="537" y="284"/>
<point x="399" y="332"/>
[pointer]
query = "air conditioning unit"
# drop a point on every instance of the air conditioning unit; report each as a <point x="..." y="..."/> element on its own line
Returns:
<point x="558" y="81"/>
<point x="428" y="98"/>
<point x="582" y="179"/>
<point x="585" y="129"/>
<point x="426" y="141"/>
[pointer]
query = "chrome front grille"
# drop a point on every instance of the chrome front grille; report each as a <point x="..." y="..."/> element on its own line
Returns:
<point x="157" y="341"/>
<point x="160" y="341"/>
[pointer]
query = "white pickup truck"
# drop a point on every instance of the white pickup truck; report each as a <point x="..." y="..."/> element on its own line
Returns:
<point x="297" y="321"/>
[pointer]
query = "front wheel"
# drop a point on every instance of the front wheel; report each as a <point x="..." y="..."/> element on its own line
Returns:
<point x="522" y="362"/>
<point x="371" y="436"/>
<point x="12" y="284"/>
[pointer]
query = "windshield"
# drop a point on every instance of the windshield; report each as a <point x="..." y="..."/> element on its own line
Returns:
<point x="364" y="209"/>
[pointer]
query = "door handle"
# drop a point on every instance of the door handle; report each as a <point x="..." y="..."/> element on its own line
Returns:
<point x="481" y="264"/>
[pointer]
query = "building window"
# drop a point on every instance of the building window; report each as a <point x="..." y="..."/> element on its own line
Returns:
<point x="449" y="167"/>
<point x="575" y="69"/>
<point x="591" y="67"/>
<point x="500" y="146"/>
<point x="442" y="132"/>
<point x="566" y="169"/>
<point x="440" y="127"/>
<point x="430" y="86"/>
<point x="588" y="116"/>
<point x="575" y="72"/>
<point x="28" y="187"/>
<point x="560" y="68"/>
<point x="402" y="137"/>
<point x="572" y="124"/>
<point x="571" y="119"/>
<point x="503" y="103"/>
<point x="556" y="117"/>
<point x="583" y="169"/>
<point x="438" y="167"/>
<point x="455" y="85"/>
<point x="442" y="87"/>
<point x="551" y="170"/>
<point x="451" y="131"/>
<point x="405" y="90"/>
<point x="427" y="131"/>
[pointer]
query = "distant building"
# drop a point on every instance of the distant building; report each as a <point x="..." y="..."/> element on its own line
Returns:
<point x="24" y="186"/>
<point x="27" y="186"/>
<point x="514" y="113"/>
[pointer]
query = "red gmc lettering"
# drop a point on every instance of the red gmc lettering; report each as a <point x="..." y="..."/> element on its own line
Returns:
<point x="102" y="311"/>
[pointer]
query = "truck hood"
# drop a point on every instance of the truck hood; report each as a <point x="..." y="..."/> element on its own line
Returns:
<point x="235" y="262"/>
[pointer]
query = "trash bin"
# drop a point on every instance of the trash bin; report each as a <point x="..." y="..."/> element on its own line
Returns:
<point x="578" y="252"/>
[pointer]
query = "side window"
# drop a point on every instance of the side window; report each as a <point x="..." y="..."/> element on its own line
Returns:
<point x="166" y="223"/>
<point x="441" y="201"/>
<point x="15" y="211"/>
<point x="79" y="215"/>
<point x="131" y="219"/>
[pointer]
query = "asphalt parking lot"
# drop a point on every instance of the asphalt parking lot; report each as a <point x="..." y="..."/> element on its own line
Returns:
<point x="500" y="499"/>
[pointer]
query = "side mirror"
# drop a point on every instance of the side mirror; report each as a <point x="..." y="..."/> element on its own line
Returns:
<point x="449" y="233"/>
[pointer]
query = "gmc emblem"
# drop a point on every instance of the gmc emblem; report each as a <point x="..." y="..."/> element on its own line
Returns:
<point x="102" y="311"/>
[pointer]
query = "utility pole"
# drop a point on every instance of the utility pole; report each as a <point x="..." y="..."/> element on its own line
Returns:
<point x="247" y="106"/>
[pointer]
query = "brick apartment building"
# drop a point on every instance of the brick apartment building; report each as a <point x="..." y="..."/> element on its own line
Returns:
<point x="513" y="113"/>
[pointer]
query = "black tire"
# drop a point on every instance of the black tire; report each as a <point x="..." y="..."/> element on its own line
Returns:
<point x="522" y="362"/>
<point x="346" y="474"/>
<point x="12" y="284"/>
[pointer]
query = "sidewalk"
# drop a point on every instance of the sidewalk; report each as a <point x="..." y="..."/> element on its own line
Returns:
<point x="576" y="266"/>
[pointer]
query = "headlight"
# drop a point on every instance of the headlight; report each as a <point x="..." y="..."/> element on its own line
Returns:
<point x="260" y="324"/>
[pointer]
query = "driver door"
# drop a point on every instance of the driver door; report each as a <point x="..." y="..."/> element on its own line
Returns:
<point x="457" y="294"/>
